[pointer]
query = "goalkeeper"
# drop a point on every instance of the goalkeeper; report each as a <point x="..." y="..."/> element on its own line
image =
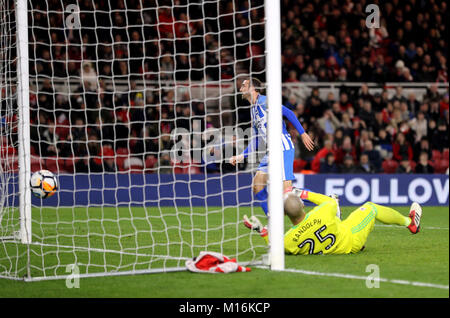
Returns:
<point x="250" y="90"/>
<point x="321" y="232"/>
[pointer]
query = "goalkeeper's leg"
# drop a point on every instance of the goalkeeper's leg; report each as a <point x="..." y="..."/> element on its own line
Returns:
<point x="388" y="215"/>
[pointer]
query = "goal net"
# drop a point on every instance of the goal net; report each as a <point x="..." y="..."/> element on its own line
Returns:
<point x="9" y="221"/>
<point x="135" y="107"/>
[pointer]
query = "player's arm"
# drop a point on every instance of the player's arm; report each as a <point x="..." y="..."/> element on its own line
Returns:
<point x="313" y="197"/>
<point x="326" y="204"/>
<point x="289" y="114"/>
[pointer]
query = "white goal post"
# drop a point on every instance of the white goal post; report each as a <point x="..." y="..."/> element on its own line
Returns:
<point x="276" y="220"/>
<point x="23" y="105"/>
<point x="135" y="107"/>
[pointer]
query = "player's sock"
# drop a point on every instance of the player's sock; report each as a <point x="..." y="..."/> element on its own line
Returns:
<point x="262" y="196"/>
<point x="390" y="216"/>
<point x="265" y="235"/>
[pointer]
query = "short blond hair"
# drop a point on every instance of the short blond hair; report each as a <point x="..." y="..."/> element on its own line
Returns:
<point x="293" y="206"/>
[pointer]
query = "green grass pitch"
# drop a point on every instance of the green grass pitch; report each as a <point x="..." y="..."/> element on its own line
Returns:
<point x="409" y="265"/>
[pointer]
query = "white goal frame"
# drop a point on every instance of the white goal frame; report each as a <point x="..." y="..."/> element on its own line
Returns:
<point x="23" y="103"/>
<point x="273" y="76"/>
<point x="275" y="183"/>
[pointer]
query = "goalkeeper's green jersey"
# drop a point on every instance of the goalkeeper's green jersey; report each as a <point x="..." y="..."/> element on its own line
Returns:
<point x="320" y="232"/>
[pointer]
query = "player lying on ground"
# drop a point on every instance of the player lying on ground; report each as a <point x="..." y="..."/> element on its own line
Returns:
<point x="321" y="232"/>
<point x="250" y="90"/>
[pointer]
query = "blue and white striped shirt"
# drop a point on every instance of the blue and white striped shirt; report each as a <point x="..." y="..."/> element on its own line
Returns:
<point x="259" y="123"/>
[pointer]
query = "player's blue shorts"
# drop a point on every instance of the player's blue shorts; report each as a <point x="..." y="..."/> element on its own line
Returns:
<point x="287" y="164"/>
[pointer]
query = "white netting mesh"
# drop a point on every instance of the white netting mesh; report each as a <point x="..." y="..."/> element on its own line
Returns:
<point x="114" y="87"/>
<point x="8" y="121"/>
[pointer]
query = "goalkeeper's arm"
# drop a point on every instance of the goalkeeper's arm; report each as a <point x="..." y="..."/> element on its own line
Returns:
<point x="313" y="197"/>
<point x="317" y="198"/>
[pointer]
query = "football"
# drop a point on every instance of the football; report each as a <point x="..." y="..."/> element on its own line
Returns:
<point x="43" y="184"/>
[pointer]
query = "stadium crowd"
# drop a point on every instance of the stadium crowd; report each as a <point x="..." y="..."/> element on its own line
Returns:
<point x="360" y="132"/>
<point x="94" y="128"/>
<point x="328" y="40"/>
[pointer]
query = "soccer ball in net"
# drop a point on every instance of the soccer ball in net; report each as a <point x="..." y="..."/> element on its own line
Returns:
<point x="43" y="184"/>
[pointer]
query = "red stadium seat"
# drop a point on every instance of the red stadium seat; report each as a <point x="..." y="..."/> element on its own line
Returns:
<point x="122" y="151"/>
<point x="441" y="166"/>
<point x="69" y="165"/>
<point x="121" y="156"/>
<point x="181" y="167"/>
<point x="436" y="155"/>
<point x="150" y="162"/>
<point x="413" y="165"/>
<point x="36" y="163"/>
<point x="51" y="164"/>
<point x="299" y="164"/>
<point x="389" y="166"/>
<point x="10" y="164"/>
<point x="445" y="154"/>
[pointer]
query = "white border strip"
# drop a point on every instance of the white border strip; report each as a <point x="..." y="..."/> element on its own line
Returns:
<point x="349" y="276"/>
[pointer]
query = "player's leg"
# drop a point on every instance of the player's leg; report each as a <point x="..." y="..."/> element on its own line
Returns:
<point x="390" y="216"/>
<point x="259" y="187"/>
<point x="360" y="223"/>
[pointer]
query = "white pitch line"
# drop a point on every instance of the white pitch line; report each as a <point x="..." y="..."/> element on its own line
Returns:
<point x="349" y="276"/>
<point x="424" y="227"/>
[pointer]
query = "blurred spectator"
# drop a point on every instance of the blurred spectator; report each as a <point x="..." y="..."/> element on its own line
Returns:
<point x="49" y="140"/>
<point x="328" y="122"/>
<point x="164" y="165"/>
<point x="109" y="162"/>
<point x="366" y="114"/>
<point x="384" y="140"/>
<point x="314" y="104"/>
<point x="404" y="166"/>
<point x="373" y="154"/>
<point x="419" y="125"/>
<point x="423" y="166"/>
<point x="348" y="165"/>
<point x="346" y="149"/>
<point x="322" y="153"/>
<point x="291" y="102"/>
<point x="444" y="105"/>
<point x="89" y="77"/>
<point x="364" y="165"/>
<point x="422" y="146"/>
<point x="344" y="102"/>
<point x="309" y="75"/>
<point x="432" y="94"/>
<point x="439" y="139"/>
<point x="401" y="148"/>
<point x="329" y="165"/>
<point x="346" y="124"/>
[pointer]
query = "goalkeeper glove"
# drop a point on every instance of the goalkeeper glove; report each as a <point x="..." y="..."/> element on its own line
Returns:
<point x="255" y="224"/>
